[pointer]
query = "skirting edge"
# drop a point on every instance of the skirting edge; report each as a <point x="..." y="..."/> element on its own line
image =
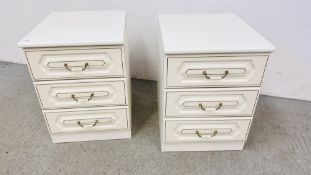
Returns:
<point x="203" y="146"/>
<point x="90" y="136"/>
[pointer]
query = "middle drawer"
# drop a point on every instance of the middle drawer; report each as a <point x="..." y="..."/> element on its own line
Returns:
<point x="201" y="103"/>
<point x="82" y="94"/>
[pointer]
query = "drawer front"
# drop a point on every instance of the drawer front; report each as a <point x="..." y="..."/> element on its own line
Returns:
<point x="71" y="64"/>
<point x="203" y="103"/>
<point x="87" y="120"/>
<point x="206" y="130"/>
<point x="89" y="94"/>
<point x="215" y="71"/>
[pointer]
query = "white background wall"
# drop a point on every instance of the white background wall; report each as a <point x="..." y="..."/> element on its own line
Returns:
<point x="286" y="23"/>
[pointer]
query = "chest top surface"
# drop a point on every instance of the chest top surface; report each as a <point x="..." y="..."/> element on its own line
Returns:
<point x="209" y="33"/>
<point x="77" y="28"/>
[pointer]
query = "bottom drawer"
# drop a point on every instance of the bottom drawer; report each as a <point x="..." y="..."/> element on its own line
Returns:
<point x="87" y="120"/>
<point x="206" y="130"/>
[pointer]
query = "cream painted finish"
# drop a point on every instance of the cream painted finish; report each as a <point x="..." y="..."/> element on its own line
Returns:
<point x="211" y="70"/>
<point x="79" y="65"/>
<point x="200" y="103"/>
<point x="215" y="71"/>
<point x="210" y="33"/>
<point x="93" y="120"/>
<point x="205" y="130"/>
<point x="78" y="28"/>
<point x="86" y="94"/>
<point x="72" y="64"/>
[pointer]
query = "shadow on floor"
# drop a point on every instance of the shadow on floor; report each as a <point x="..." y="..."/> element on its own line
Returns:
<point x="144" y="103"/>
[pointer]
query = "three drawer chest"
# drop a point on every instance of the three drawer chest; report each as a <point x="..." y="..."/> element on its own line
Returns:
<point x="211" y="69"/>
<point x="80" y="70"/>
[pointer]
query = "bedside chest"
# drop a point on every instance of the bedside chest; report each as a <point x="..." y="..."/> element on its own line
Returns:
<point x="79" y="65"/>
<point x="211" y="71"/>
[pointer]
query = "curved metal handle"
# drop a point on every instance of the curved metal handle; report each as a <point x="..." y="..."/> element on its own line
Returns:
<point x="214" y="77"/>
<point x="87" y="125"/>
<point x="211" y="134"/>
<point x="82" y="99"/>
<point x="210" y="109"/>
<point x="76" y="68"/>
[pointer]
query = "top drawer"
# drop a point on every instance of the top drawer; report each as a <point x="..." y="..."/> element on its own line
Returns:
<point x="72" y="64"/>
<point x="215" y="71"/>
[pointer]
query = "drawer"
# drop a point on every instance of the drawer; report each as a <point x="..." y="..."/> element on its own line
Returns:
<point x="206" y="130"/>
<point x="93" y="120"/>
<point x="215" y="71"/>
<point x="75" y="64"/>
<point x="203" y="103"/>
<point x="87" y="94"/>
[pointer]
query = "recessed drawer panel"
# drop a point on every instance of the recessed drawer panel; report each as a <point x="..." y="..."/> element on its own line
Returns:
<point x="72" y="64"/>
<point x="206" y="130"/>
<point x="88" y="94"/>
<point x="93" y="120"/>
<point x="210" y="103"/>
<point x="215" y="71"/>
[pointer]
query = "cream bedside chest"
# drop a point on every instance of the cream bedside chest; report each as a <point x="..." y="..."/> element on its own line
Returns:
<point x="79" y="65"/>
<point x="211" y="72"/>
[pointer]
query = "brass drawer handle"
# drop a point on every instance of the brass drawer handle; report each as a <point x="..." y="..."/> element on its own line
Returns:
<point x="211" y="134"/>
<point x="214" y="77"/>
<point x="76" y="68"/>
<point x="82" y="99"/>
<point x="210" y="109"/>
<point x="87" y="125"/>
